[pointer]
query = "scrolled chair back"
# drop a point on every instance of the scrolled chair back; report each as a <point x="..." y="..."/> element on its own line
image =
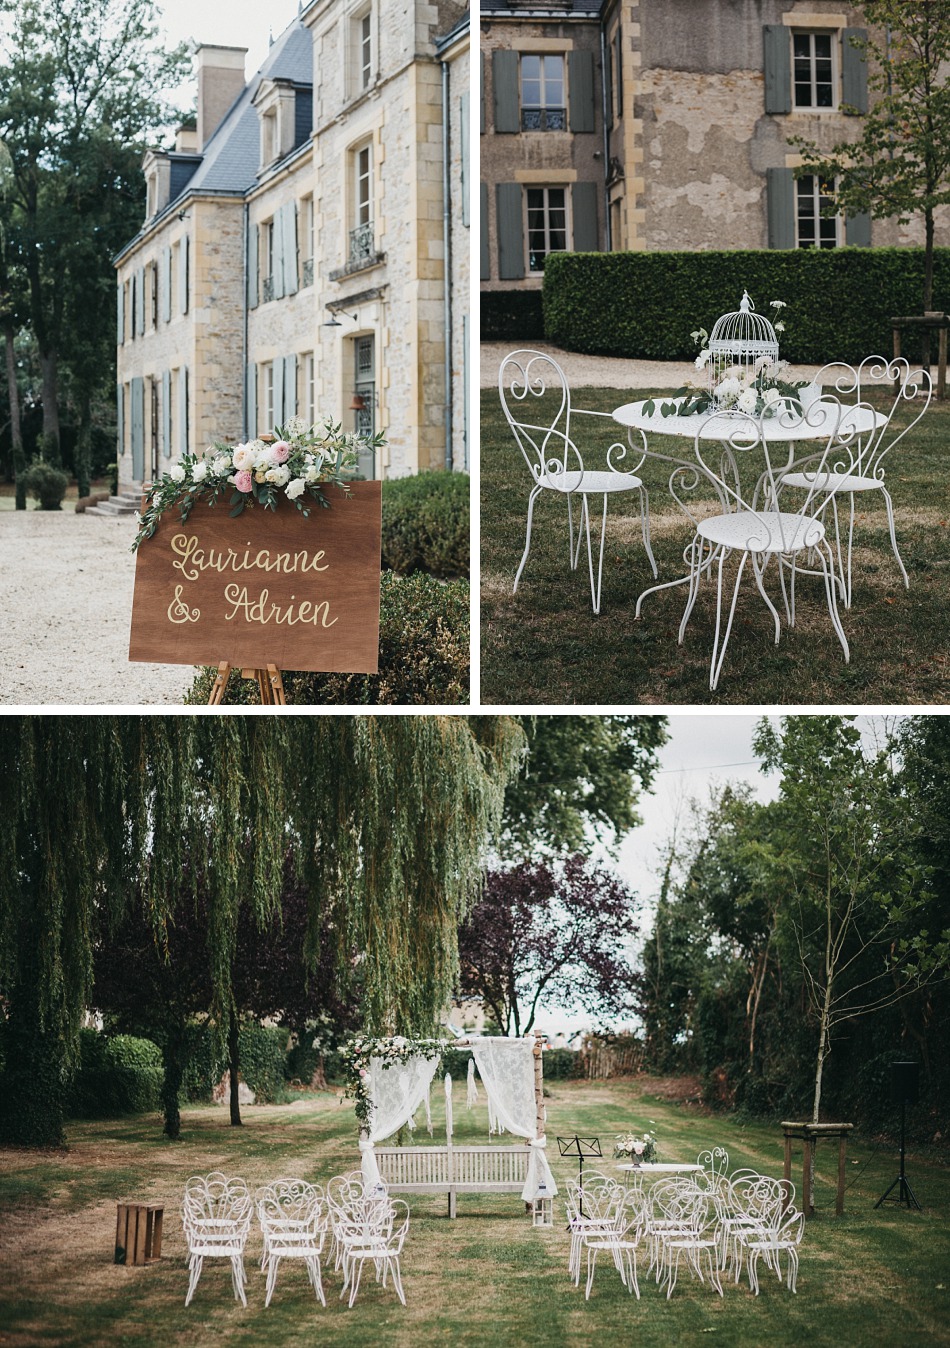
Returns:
<point x="290" y="1200"/>
<point x="536" y="400"/>
<point x="903" y="384"/>
<point x="216" y="1198"/>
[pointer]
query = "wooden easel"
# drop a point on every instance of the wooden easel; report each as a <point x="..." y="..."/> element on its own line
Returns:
<point x="269" y="682"/>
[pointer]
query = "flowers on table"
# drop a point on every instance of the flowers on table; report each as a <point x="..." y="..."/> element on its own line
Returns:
<point x="298" y="460"/>
<point x="639" y="1147"/>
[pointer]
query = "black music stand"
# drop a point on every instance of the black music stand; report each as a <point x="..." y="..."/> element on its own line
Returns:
<point x="580" y="1147"/>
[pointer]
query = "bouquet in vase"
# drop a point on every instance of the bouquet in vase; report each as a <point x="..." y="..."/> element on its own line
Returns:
<point x="640" y="1147"/>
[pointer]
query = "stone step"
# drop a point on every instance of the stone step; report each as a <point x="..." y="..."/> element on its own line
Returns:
<point x="126" y="503"/>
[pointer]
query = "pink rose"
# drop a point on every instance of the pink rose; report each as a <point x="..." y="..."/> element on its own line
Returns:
<point x="281" y="451"/>
<point x="243" y="480"/>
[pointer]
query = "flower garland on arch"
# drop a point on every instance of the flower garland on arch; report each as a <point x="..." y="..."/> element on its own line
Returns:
<point x="296" y="460"/>
<point x="357" y="1052"/>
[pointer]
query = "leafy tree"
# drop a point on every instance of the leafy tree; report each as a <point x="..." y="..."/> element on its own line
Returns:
<point x="387" y="819"/>
<point x="900" y="164"/>
<point x="541" y="930"/>
<point x="581" y="779"/>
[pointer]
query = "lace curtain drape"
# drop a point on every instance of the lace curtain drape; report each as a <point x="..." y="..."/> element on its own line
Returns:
<point x="506" y="1067"/>
<point x="396" y="1093"/>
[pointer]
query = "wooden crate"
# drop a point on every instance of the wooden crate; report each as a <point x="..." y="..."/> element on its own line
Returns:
<point x="138" y="1233"/>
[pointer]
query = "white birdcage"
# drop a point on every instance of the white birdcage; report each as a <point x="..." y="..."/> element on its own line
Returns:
<point x="740" y="344"/>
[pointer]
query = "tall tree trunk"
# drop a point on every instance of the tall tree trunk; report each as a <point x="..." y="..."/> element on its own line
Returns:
<point x="16" y="429"/>
<point x="823" y="1049"/>
<point x="234" y="1068"/>
<point x="52" y="449"/>
<point x="173" y="1062"/>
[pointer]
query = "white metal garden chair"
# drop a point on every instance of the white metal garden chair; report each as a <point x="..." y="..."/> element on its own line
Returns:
<point x="700" y="1237"/>
<point x="536" y="400"/>
<point x="865" y="471"/>
<point x="673" y="1212"/>
<point x="620" y="1240"/>
<point x="591" y="1210"/>
<point x="380" y="1242"/>
<point x="715" y="1172"/>
<point x="216" y="1215"/>
<point x="770" y="1246"/>
<point x="752" y="1209"/>
<point x="293" y="1220"/>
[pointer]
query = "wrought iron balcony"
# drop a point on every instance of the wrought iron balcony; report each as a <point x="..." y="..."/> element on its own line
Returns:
<point x="544" y="119"/>
<point x="267" y="289"/>
<point x="307" y="272"/>
<point x="362" y="244"/>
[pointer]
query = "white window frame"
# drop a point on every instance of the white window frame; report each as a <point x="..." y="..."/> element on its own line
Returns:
<point x="568" y="223"/>
<point x="265" y="256"/>
<point x="544" y="105"/>
<point x="268" y="399"/>
<point x="309" y="387"/>
<point x="814" y="106"/>
<point x="363" y="177"/>
<point x="817" y="196"/>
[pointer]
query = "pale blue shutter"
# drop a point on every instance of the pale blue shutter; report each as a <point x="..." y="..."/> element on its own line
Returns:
<point x="183" y="410"/>
<point x="133" y="309"/>
<point x="857" y="230"/>
<point x="581" y="90"/>
<point x="252" y="281"/>
<point x="138" y="429"/>
<point x="278" y="392"/>
<point x="510" y="226"/>
<point x="483" y="234"/>
<point x="140" y="296"/>
<point x="854" y="70"/>
<point x="183" y="277"/>
<point x="277" y="248"/>
<point x="463" y="136"/>
<point x="290" y="248"/>
<point x="290" y="387"/>
<point x="505" y="78"/>
<point x="584" y="205"/>
<point x="119" y="420"/>
<point x="481" y="101"/>
<point x="250" y="401"/>
<point x="167" y="285"/>
<point x="778" y="68"/>
<point x="780" y="191"/>
<point x="619" y="48"/>
<point x="120" y="315"/>
<point x="167" y="413"/>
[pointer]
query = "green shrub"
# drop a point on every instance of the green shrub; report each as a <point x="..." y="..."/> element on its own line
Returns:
<point x="426" y="524"/>
<point x="512" y="316"/>
<point x="645" y="305"/>
<point x="45" y="483"/>
<point x="423" y="654"/>
<point x="262" y="1053"/>
<point x="117" y="1074"/>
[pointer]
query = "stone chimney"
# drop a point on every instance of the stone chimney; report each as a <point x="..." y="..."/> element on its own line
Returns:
<point x="186" y="140"/>
<point x="220" y="80"/>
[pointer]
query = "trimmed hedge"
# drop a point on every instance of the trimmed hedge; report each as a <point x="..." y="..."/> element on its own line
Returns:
<point x="262" y="1052"/>
<point x="645" y="305"/>
<point x="117" y="1074"/>
<point x="512" y="315"/>
<point x="423" y="654"/>
<point x="426" y="524"/>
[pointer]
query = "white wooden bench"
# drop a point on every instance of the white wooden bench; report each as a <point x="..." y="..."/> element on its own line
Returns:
<point x="454" y="1170"/>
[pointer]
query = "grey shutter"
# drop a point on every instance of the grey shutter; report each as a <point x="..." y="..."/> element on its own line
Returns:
<point x="250" y="401"/>
<point x="481" y="100"/>
<point x="290" y="248"/>
<point x="483" y="233"/>
<point x="620" y="71"/>
<point x="857" y="230"/>
<point x="138" y="429"/>
<point x="167" y="285"/>
<point x="609" y="84"/>
<point x="119" y="420"/>
<point x="778" y="68"/>
<point x="133" y="310"/>
<point x="854" y="70"/>
<point x="140" y="297"/>
<point x="182" y="410"/>
<point x="252" y="282"/>
<point x="290" y="387"/>
<point x="167" y="412"/>
<point x="277" y="253"/>
<point x="780" y="191"/>
<point x="510" y="225"/>
<point x="278" y="380"/>
<point x="505" y="78"/>
<point x="584" y="210"/>
<point x="463" y="137"/>
<point x="580" y="90"/>
<point x="183" y="277"/>
<point x="120" y="314"/>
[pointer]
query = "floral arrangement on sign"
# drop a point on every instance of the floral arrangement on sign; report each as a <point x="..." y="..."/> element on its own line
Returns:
<point x="298" y="460"/>
<point x="761" y="389"/>
<point x="356" y="1054"/>
<point x="638" y="1146"/>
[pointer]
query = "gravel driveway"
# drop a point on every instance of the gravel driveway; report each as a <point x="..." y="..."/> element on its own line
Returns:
<point x="68" y="603"/>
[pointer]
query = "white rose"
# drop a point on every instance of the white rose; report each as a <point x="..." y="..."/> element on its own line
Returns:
<point x="264" y="457"/>
<point x="771" y="395"/>
<point x="176" y="473"/>
<point x="728" y="390"/>
<point x="313" y="474"/>
<point x="199" y="472"/>
<point x="780" y="327"/>
<point x="279" y="475"/>
<point x="701" y="360"/>
<point x="295" y="488"/>
<point x="243" y="457"/>
<point x="221" y="465"/>
<point x="747" y="400"/>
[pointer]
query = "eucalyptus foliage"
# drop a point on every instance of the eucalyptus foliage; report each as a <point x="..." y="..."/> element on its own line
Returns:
<point x="386" y="819"/>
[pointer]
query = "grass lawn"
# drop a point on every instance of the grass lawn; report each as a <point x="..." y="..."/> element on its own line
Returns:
<point x="487" y="1278"/>
<point x="8" y="494"/>
<point x="544" y="645"/>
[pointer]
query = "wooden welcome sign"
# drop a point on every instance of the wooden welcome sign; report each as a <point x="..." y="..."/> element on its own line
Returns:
<point x="268" y="588"/>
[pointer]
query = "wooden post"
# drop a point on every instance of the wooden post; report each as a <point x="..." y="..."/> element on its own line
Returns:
<point x="538" y="1087"/>
<point x="808" y="1206"/>
<point x="942" y="364"/>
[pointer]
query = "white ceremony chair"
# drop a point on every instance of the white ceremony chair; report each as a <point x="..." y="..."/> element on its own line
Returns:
<point x="591" y="1210"/>
<point x="702" y="1238"/>
<point x="216" y="1215"/>
<point x="752" y="1210"/>
<point x="380" y="1241"/>
<point x="751" y="525"/>
<point x="715" y="1172"/>
<point x="620" y="1241"/>
<point x="865" y="472"/>
<point x="784" y="1239"/>
<point x="293" y="1222"/>
<point x="536" y="400"/>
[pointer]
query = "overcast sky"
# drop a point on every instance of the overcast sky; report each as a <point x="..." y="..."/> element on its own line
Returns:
<point x="238" y="23"/>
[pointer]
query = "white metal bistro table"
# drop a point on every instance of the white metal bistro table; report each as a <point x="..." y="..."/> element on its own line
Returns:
<point x="827" y="420"/>
<point x="663" y="1168"/>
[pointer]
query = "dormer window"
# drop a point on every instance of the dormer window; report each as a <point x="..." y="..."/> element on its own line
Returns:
<point x="157" y="169"/>
<point x="276" y="102"/>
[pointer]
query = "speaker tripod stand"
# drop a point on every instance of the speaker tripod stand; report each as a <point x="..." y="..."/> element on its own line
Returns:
<point x="905" y="1193"/>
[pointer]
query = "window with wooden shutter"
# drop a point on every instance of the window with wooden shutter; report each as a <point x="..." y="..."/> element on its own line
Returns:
<point x="857" y="230"/>
<point x="543" y="102"/>
<point x="619" y="49"/>
<point x="483" y="234"/>
<point x="854" y="71"/>
<point x="290" y="388"/>
<point x="585" y="231"/>
<point x="140" y="305"/>
<point x="547" y="224"/>
<point x="505" y="76"/>
<point x="277" y="237"/>
<point x="120" y="420"/>
<point x="250" y="401"/>
<point x="183" y="410"/>
<point x="291" y="263"/>
<point x="510" y="228"/>
<point x="778" y="68"/>
<point x="120" y="314"/>
<point x="277" y="393"/>
<point x="167" y="413"/>
<point x="252" y="277"/>
<point x="137" y="417"/>
<point x="780" y="201"/>
<point x="183" y="274"/>
<point x="817" y="223"/>
<point x="463" y="147"/>
<point x="813" y="70"/>
<point x="166" y="285"/>
<point x="581" y="90"/>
